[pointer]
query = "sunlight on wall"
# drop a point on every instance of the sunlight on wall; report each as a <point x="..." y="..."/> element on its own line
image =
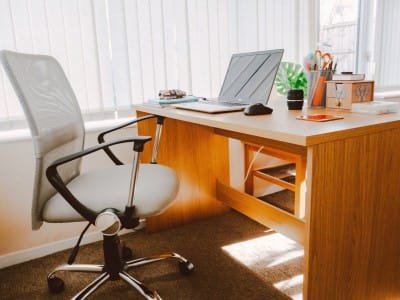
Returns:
<point x="274" y="257"/>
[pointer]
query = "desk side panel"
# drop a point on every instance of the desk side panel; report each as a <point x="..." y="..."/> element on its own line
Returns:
<point x="354" y="219"/>
<point x="199" y="157"/>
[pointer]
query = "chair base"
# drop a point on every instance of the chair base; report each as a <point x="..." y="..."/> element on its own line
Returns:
<point x="115" y="268"/>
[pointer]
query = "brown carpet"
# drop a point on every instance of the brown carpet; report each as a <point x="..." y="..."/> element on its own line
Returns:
<point x="234" y="258"/>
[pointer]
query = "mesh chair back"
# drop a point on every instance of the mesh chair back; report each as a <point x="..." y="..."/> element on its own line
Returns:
<point x="53" y="116"/>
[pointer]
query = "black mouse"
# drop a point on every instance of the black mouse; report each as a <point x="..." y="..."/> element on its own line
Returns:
<point x="257" y="109"/>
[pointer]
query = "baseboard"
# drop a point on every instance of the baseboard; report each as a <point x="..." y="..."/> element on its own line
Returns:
<point x="21" y="256"/>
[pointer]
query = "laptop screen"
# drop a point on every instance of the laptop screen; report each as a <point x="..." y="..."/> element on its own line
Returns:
<point x="250" y="76"/>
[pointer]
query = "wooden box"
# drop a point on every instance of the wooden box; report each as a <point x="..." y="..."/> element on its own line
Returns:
<point x="341" y="94"/>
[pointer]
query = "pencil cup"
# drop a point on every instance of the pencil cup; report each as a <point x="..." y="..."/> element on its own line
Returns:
<point x="317" y="87"/>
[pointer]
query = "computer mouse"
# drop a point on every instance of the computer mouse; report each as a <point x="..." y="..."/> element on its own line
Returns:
<point x="257" y="109"/>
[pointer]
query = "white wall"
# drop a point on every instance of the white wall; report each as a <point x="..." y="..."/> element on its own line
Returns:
<point x="16" y="186"/>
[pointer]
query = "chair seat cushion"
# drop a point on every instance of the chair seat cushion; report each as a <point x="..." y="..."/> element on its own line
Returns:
<point x="156" y="188"/>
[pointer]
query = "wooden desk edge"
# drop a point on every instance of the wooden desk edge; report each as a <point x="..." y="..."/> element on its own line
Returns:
<point x="384" y="122"/>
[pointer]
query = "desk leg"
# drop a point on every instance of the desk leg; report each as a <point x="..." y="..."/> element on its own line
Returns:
<point x="248" y="157"/>
<point x="199" y="157"/>
<point x="300" y="191"/>
<point x="353" y="218"/>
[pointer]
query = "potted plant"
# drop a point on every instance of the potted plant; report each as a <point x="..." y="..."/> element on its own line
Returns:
<point x="291" y="82"/>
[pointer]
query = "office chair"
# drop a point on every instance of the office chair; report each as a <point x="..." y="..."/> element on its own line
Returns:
<point x="110" y="199"/>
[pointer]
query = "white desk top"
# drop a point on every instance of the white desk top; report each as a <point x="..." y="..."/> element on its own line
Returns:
<point x="282" y="124"/>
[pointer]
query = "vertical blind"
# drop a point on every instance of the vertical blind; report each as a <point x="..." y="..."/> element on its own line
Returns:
<point x="120" y="52"/>
<point x="387" y="45"/>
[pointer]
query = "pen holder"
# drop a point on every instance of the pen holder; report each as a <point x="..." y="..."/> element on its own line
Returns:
<point x="317" y="87"/>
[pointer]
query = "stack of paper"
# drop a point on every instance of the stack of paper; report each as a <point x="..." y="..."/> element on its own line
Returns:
<point x="375" y="107"/>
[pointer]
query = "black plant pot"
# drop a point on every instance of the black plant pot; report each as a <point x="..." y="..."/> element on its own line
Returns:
<point x="295" y="104"/>
<point x="295" y="99"/>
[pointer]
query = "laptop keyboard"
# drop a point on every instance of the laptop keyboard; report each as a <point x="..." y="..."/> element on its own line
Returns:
<point x="226" y="104"/>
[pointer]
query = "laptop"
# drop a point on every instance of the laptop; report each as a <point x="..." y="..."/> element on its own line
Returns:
<point x="248" y="80"/>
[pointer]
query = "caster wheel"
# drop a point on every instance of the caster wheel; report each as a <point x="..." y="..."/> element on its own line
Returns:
<point x="127" y="253"/>
<point x="55" y="284"/>
<point x="186" y="268"/>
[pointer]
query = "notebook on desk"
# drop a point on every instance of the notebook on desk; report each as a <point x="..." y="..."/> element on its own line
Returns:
<point x="248" y="80"/>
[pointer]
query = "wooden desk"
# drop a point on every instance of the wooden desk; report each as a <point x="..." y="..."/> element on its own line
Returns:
<point x="352" y="190"/>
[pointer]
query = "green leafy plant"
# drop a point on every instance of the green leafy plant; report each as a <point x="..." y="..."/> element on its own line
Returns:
<point x="290" y="76"/>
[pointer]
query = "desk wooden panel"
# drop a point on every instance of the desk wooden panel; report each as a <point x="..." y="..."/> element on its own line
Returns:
<point x="354" y="219"/>
<point x="199" y="157"/>
<point x="352" y="213"/>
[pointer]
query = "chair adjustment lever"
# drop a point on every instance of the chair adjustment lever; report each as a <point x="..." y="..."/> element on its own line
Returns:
<point x="128" y="220"/>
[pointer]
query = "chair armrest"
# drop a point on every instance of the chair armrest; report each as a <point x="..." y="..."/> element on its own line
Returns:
<point x="55" y="179"/>
<point x="107" y="150"/>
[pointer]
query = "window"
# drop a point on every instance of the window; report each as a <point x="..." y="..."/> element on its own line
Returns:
<point x="76" y="33"/>
<point x="338" y="31"/>
<point x="120" y="52"/>
<point x="363" y="36"/>
<point x="387" y="45"/>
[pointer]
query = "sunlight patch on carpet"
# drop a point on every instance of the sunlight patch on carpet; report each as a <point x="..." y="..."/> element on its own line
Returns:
<point x="272" y="256"/>
<point x="288" y="285"/>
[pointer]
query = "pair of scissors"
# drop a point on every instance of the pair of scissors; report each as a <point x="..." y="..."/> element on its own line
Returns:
<point x="323" y="60"/>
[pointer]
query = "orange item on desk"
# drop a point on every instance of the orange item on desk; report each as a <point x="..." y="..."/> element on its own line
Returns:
<point x="319" y="117"/>
<point x="317" y="87"/>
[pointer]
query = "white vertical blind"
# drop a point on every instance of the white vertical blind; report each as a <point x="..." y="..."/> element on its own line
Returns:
<point x="120" y="52"/>
<point x="66" y="30"/>
<point x="387" y="45"/>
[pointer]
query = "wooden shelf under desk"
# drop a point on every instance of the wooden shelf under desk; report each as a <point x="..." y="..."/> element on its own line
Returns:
<point x="283" y="175"/>
<point x="289" y="175"/>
